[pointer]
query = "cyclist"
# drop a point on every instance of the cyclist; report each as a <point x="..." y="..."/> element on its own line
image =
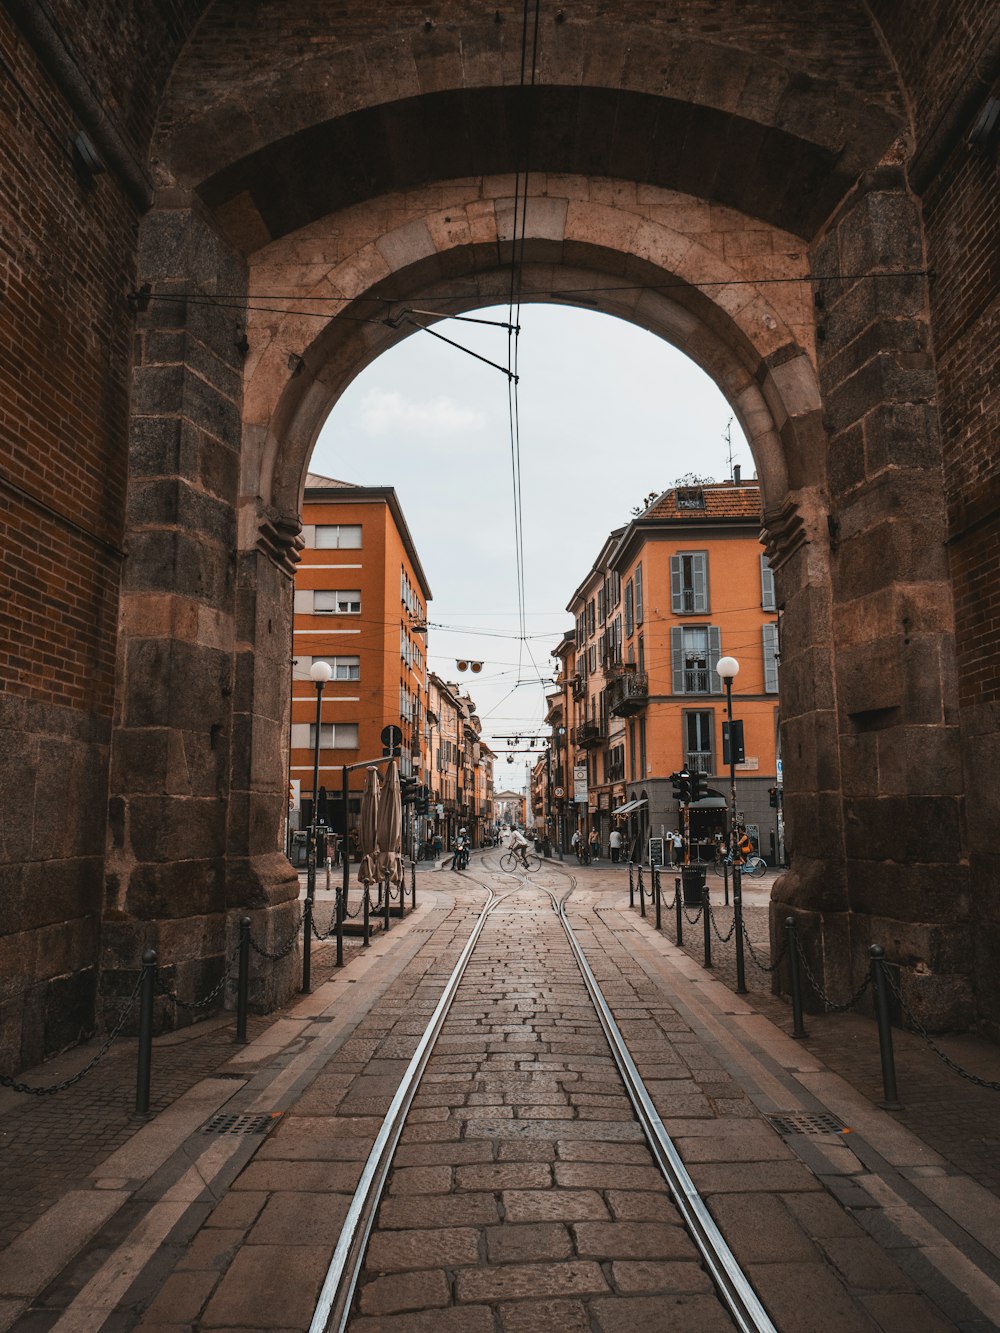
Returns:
<point x="744" y="846"/>
<point x="519" y="844"/>
<point x="461" y="851"/>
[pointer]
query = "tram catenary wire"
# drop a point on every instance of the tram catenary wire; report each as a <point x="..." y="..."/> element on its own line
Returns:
<point x="336" y="1296"/>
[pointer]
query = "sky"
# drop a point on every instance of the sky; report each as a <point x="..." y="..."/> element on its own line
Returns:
<point x="607" y="413"/>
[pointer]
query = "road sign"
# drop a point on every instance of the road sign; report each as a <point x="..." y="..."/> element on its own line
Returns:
<point x="392" y="741"/>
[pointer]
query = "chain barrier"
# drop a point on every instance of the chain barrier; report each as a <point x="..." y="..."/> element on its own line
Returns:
<point x="281" y="953"/>
<point x="53" y="1088"/>
<point x="764" y="967"/>
<point x="921" y="1031"/>
<point x="692" y="920"/>
<point x="723" y="939"/>
<point x="211" y="997"/>
<point x="831" y="1005"/>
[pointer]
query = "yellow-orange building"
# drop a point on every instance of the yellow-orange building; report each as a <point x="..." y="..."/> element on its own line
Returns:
<point x="361" y="605"/>
<point x="683" y="584"/>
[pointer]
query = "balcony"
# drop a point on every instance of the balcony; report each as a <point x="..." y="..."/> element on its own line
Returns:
<point x="628" y="693"/>
<point x="579" y="687"/>
<point x="589" y="735"/>
<point x="699" y="761"/>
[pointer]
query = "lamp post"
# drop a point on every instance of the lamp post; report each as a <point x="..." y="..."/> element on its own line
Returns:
<point x="320" y="673"/>
<point x="728" y="667"/>
<point x="560" y="800"/>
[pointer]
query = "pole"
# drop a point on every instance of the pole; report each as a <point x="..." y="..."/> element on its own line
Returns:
<point x="145" y="1064"/>
<point x="706" y="913"/>
<point x="243" y="981"/>
<point x="798" y="1030"/>
<point x="891" y="1100"/>
<point x="741" y="973"/>
<point x="345" y="859"/>
<point x="654" y="872"/>
<point x="307" y="921"/>
<point x="679" y="911"/>
<point x="311" y="855"/>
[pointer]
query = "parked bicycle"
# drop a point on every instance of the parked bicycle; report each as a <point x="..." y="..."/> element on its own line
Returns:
<point x="510" y="862"/>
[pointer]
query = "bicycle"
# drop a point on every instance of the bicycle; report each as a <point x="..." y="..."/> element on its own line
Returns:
<point x="752" y="866"/>
<point x="510" y="862"/>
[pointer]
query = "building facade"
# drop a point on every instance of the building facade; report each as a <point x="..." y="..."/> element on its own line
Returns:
<point x="360" y="605"/>
<point x="684" y="584"/>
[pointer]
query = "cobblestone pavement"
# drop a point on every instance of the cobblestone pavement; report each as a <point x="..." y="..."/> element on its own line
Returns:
<point x="523" y="1196"/>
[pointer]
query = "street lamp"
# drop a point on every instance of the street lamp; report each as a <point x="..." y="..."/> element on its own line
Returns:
<point x="320" y="673"/>
<point x="561" y="801"/>
<point x="728" y="667"/>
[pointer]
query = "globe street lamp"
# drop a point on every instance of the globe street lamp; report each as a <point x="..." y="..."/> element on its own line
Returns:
<point x="320" y="673"/>
<point x="728" y="667"/>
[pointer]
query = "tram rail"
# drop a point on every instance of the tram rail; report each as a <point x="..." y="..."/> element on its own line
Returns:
<point x="734" y="1290"/>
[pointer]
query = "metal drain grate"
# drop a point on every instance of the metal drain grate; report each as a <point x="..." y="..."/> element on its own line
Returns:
<point x="802" y="1122"/>
<point x="241" y="1124"/>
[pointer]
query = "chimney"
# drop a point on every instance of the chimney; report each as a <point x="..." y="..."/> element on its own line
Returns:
<point x="736" y="474"/>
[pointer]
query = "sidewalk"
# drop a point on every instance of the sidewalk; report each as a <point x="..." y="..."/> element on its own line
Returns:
<point x="79" y="1165"/>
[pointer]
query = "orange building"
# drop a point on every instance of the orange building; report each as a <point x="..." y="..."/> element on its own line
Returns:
<point x="360" y="605"/>
<point x="683" y="584"/>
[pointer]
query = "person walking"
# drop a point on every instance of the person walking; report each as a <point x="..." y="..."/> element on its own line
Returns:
<point x="615" y="843"/>
<point x="678" y="848"/>
<point x="594" y="843"/>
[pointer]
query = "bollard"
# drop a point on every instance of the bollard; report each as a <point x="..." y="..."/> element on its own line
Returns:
<point x="656" y="894"/>
<point x="793" y="966"/>
<point x="725" y="882"/>
<point x="642" y="892"/>
<point x="307" y="918"/>
<point x="706" y="917"/>
<point x="886" y="1055"/>
<point x="413" y="883"/>
<point x="679" y="911"/>
<point x="339" y="918"/>
<point x="243" y="981"/>
<point x="386" y="905"/>
<point x="631" y="887"/>
<point x="367" y="931"/>
<point x="145" y="1065"/>
<point x="741" y="974"/>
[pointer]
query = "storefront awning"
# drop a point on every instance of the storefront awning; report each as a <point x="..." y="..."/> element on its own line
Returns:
<point x="628" y="807"/>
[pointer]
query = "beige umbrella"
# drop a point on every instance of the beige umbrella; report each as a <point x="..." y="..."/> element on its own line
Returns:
<point x="368" y="829"/>
<point x="389" y="828"/>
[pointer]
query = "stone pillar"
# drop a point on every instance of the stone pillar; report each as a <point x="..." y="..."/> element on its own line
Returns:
<point x="890" y="616"/>
<point x="180" y="753"/>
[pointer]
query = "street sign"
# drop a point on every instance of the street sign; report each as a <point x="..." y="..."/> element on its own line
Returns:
<point x="560" y="792"/>
<point x="392" y="740"/>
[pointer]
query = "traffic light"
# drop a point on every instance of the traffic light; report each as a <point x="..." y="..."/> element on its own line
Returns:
<point x="699" y="786"/>
<point x="423" y="800"/>
<point x="682" y="786"/>
<point x="772" y="797"/>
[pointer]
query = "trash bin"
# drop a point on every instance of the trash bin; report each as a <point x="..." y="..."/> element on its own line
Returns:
<point x="300" y="848"/>
<point x="693" y="881"/>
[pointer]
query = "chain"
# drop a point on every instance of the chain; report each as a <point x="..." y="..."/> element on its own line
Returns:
<point x="14" y="1086"/>
<point x="764" y="967"/>
<point x="282" y="953"/>
<point x="211" y="997"/>
<point x="831" y="1005"/>
<point x="921" y="1031"/>
<point x="723" y="939"/>
<point x="692" y="920"/>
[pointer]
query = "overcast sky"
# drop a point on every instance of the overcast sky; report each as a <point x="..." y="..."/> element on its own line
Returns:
<point x="608" y="413"/>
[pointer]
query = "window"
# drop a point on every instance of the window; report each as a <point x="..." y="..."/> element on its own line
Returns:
<point x="767" y="585"/>
<point x="629" y="609"/>
<point x="699" y="729"/>
<point x="592" y="658"/>
<point x="770" y="636"/>
<point x="338" y="603"/>
<point x="638" y="594"/>
<point x="689" y="583"/>
<point x="694" y="652"/>
<point x="602" y="604"/>
<point x="591" y="620"/>
<point x="338" y="536"/>
<point x="343" y="668"/>
<point x="334" y="736"/>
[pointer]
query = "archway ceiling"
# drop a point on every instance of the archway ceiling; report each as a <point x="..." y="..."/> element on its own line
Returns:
<point x="281" y="113"/>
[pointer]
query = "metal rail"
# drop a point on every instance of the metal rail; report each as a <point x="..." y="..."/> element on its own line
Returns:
<point x="337" y="1293"/>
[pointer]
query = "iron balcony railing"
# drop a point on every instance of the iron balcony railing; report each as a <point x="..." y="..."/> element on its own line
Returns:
<point x="589" y="734"/>
<point x="699" y="761"/>
<point x="628" y="694"/>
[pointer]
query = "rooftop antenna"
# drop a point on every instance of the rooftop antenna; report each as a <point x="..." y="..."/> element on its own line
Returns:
<point x="727" y="435"/>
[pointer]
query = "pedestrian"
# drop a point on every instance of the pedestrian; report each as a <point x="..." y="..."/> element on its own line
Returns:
<point x="576" y="843"/>
<point x="594" y="843"/>
<point x="438" y="845"/>
<point x="678" y="848"/>
<point x="615" y="843"/>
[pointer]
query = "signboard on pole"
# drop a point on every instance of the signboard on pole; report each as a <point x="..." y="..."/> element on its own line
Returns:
<point x="580" y="784"/>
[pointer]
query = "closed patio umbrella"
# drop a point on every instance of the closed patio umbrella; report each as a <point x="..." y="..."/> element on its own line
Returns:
<point x="389" y="828"/>
<point x="368" y="829"/>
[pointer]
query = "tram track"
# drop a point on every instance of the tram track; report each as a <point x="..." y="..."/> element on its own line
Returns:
<point x="733" y="1288"/>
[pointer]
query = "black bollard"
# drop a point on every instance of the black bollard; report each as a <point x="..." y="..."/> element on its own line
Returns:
<point x="741" y="974"/>
<point x="656" y="894"/>
<point x="706" y="917"/>
<point x="631" y="887"/>
<point x="387" y="904"/>
<point x="243" y="981"/>
<point x="145" y="1066"/>
<point x="366" y="934"/>
<point x="307" y="920"/>
<point x="725" y="882"/>
<point x="339" y="919"/>
<point x="793" y="968"/>
<point x="679" y="911"/>
<point x="413" y="883"/>
<point x="891" y="1100"/>
<point x="642" y="892"/>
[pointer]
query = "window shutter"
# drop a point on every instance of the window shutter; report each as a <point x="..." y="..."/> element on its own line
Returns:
<point x="770" y="635"/>
<point x="699" y="580"/>
<point x="714" y="653"/>
<point x="766" y="585"/>
<point x="677" y="657"/>
<point x="638" y="594"/>
<point x="629" y="612"/>
<point x="676" y="585"/>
